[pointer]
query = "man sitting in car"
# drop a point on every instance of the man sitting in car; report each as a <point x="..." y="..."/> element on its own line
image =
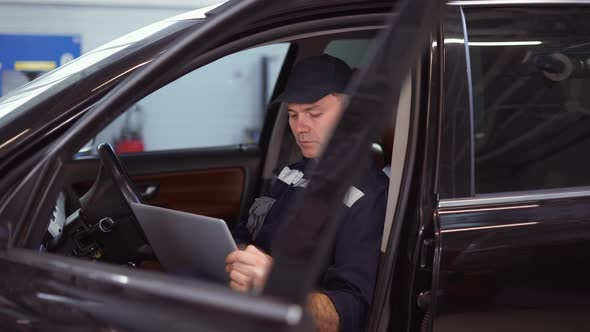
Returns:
<point x="315" y="100"/>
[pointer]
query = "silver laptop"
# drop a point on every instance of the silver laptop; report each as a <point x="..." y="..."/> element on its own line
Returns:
<point x="186" y="243"/>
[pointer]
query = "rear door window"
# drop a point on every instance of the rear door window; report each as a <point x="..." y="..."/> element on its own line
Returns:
<point x="530" y="70"/>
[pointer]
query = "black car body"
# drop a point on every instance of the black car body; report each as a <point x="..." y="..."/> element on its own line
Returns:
<point x="487" y="223"/>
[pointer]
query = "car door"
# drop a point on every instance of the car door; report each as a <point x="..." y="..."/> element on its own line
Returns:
<point x="48" y="291"/>
<point x="512" y="221"/>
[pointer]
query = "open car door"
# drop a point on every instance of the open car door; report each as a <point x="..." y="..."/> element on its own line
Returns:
<point x="80" y="294"/>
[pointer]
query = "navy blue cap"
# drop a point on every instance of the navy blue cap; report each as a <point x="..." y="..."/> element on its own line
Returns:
<point x="314" y="78"/>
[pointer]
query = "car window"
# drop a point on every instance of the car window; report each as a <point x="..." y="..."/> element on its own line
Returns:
<point x="531" y="111"/>
<point x="220" y="104"/>
<point x="352" y="51"/>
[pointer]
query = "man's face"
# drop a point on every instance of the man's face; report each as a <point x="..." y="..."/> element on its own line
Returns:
<point x="312" y="124"/>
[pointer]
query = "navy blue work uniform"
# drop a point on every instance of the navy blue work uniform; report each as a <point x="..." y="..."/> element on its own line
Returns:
<point x="349" y="279"/>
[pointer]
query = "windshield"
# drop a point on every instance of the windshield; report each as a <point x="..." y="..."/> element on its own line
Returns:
<point x="10" y="104"/>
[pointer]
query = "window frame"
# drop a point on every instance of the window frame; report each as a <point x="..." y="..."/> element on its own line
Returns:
<point x="448" y="197"/>
<point x="455" y="161"/>
<point x="317" y="27"/>
<point x="509" y="197"/>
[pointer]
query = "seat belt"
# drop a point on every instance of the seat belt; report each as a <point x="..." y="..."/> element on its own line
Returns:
<point x="274" y="149"/>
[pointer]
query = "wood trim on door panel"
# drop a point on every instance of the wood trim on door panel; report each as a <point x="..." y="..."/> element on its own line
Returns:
<point x="215" y="193"/>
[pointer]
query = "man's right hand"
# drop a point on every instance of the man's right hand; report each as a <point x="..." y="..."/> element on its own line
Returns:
<point x="324" y="313"/>
<point x="248" y="268"/>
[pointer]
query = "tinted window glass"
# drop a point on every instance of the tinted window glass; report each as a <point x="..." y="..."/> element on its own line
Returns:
<point x="531" y="77"/>
<point x="352" y="51"/>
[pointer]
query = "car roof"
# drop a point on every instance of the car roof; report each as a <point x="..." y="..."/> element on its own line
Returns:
<point x="297" y="5"/>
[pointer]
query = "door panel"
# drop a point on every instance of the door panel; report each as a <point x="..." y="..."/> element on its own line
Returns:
<point x="518" y="266"/>
<point x="214" y="193"/>
<point x="219" y="182"/>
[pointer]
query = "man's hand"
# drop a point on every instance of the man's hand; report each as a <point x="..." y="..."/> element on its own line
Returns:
<point x="248" y="268"/>
<point x="324" y="313"/>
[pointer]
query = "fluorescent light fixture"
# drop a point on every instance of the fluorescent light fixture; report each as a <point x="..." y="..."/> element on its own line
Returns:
<point x="507" y="43"/>
<point x="454" y="41"/>
<point x="494" y="43"/>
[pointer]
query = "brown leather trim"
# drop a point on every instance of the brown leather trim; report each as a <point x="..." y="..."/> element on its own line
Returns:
<point x="215" y="193"/>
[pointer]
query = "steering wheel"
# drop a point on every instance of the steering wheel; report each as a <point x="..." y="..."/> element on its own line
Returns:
<point x="112" y="192"/>
<point x="112" y="164"/>
<point x="108" y="229"/>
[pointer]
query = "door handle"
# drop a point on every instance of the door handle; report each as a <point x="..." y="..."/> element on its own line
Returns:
<point x="149" y="191"/>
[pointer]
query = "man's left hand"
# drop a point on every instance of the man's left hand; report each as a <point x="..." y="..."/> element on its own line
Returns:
<point x="248" y="268"/>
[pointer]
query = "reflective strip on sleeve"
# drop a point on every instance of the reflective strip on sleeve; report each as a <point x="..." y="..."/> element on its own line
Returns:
<point x="302" y="183"/>
<point x="295" y="178"/>
<point x="290" y="176"/>
<point x="352" y="195"/>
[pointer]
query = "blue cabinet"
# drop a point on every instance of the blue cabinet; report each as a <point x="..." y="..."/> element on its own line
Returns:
<point x="24" y="57"/>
